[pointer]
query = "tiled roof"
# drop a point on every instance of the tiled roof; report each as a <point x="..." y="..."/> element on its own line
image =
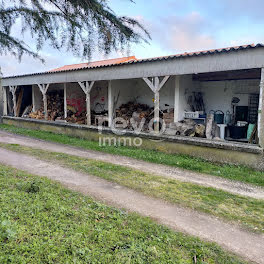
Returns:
<point x="94" y="64"/>
<point x="203" y="52"/>
<point x="133" y="60"/>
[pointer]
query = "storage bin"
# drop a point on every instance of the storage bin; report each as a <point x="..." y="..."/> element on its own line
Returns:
<point x="218" y="116"/>
<point x="193" y="115"/>
<point x="238" y="132"/>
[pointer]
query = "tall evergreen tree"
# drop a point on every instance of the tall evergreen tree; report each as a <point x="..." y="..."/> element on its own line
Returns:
<point x="79" y="26"/>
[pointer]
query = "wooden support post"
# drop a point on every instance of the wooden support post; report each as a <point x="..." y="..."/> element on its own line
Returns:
<point x="14" y="104"/>
<point x="156" y="111"/>
<point x="261" y="111"/>
<point x="45" y="104"/>
<point x="88" y="109"/>
<point x="5" y="101"/>
<point x="44" y="88"/>
<point x="155" y="85"/>
<point x="33" y="99"/>
<point x="176" y="98"/>
<point x="65" y="100"/>
<point x="110" y="104"/>
<point x="13" y="91"/>
<point x="87" y="87"/>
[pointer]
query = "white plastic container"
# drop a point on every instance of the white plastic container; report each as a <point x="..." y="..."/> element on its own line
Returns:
<point x="193" y="115"/>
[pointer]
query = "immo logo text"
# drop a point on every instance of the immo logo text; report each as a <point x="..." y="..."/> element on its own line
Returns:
<point x="120" y="141"/>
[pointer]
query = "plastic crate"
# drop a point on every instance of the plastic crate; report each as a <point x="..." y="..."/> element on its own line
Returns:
<point x="192" y="114"/>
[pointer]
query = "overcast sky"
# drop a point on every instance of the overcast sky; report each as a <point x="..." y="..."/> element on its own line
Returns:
<point x="175" y="26"/>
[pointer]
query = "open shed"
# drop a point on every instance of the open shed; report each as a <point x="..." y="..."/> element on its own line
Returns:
<point x="209" y="98"/>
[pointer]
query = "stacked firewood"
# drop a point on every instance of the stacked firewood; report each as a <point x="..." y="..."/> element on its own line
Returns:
<point x="55" y="108"/>
<point x="74" y="117"/>
<point x="136" y="110"/>
<point x="186" y="127"/>
<point x="39" y="114"/>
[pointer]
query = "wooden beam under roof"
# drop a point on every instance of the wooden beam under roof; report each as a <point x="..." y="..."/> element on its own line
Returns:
<point x="228" y="75"/>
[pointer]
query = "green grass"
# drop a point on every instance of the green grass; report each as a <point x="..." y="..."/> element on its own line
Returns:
<point x="245" y="211"/>
<point x="42" y="222"/>
<point x="237" y="173"/>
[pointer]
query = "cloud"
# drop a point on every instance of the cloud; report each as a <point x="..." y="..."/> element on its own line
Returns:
<point x="188" y="33"/>
<point x="207" y="24"/>
<point x="181" y="33"/>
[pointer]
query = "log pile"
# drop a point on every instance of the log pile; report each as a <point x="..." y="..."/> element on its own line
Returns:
<point x="55" y="108"/>
<point x="74" y="117"/>
<point x="39" y="114"/>
<point x="187" y="127"/>
<point x="137" y="111"/>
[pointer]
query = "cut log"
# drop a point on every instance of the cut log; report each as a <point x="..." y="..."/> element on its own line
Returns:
<point x="190" y="132"/>
<point x="200" y="130"/>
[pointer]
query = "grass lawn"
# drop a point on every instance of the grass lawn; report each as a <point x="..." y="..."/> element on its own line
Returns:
<point x="42" y="222"/>
<point x="238" y="173"/>
<point x="248" y="212"/>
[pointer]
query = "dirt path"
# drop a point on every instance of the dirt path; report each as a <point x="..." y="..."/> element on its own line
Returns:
<point x="166" y="171"/>
<point x="249" y="246"/>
